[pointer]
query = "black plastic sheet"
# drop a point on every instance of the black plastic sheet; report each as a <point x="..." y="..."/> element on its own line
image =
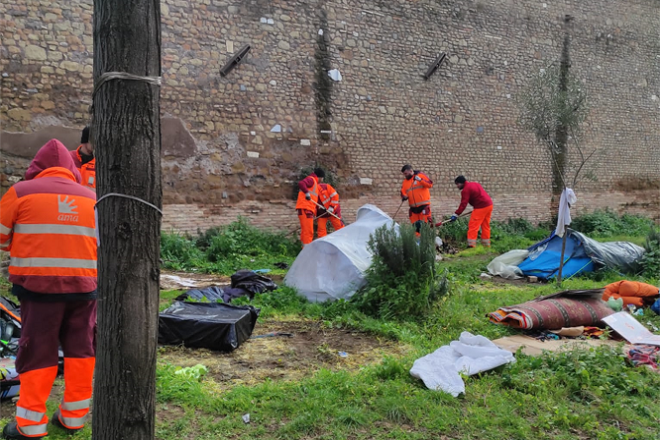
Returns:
<point x="216" y="326"/>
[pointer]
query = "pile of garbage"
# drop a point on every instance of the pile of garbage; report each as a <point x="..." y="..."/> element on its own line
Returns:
<point x="561" y="321"/>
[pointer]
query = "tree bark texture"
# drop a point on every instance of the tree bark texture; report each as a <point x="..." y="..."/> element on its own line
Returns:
<point x="125" y="130"/>
<point x="561" y="134"/>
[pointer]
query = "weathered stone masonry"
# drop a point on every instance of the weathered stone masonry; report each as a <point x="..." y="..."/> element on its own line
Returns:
<point x="234" y="145"/>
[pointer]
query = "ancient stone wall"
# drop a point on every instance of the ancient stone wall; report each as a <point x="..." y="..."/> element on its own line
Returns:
<point x="234" y="145"/>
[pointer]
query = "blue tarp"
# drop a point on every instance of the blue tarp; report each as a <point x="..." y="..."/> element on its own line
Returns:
<point x="582" y="255"/>
<point x="544" y="257"/>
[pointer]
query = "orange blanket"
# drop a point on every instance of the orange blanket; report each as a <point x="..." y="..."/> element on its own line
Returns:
<point x="632" y="292"/>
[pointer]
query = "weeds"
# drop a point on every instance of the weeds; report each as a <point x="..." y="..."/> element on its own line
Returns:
<point x="238" y="245"/>
<point x="608" y="224"/>
<point x="651" y="259"/>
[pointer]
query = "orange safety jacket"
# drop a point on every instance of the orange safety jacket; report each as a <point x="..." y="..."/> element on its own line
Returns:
<point x="328" y="197"/>
<point x="310" y="183"/>
<point x="87" y="170"/>
<point x="47" y="224"/>
<point x="417" y="191"/>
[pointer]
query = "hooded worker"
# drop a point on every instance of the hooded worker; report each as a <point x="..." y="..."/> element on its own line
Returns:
<point x="474" y="194"/>
<point x="416" y="190"/>
<point x="47" y="225"/>
<point x="307" y="203"/>
<point x="83" y="159"/>
<point x="331" y="211"/>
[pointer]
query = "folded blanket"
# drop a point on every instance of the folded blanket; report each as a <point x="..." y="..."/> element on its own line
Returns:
<point x="566" y="309"/>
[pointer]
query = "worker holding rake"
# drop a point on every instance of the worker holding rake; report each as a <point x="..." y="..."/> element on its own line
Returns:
<point x="474" y="194"/>
<point x="416" y="190"/>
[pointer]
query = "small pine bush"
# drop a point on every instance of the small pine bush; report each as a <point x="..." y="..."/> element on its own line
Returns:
<point x="651" y="259"/>
<point x="402" y="282"/>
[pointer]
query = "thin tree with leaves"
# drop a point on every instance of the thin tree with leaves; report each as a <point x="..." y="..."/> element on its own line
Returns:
<point x="554" y="108"/>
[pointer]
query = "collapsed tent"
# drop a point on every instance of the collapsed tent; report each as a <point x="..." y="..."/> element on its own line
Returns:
<point x="582" y="254"/>
<point x="333" y="267"/>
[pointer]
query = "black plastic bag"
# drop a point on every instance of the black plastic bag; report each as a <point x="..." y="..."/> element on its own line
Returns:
<point x="215" y="326"/>
<point x="252" y="282"/>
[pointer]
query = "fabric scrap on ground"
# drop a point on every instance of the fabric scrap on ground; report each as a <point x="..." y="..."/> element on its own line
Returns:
<point x="441" y="370"/>
<point x="565" y="309"/>
<point x="644" y="355"/>
<point x="252" y="282"/>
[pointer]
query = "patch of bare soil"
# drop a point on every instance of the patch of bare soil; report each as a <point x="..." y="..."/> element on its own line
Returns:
<point x="170" y="280"/>
<point x="310" y="348"/>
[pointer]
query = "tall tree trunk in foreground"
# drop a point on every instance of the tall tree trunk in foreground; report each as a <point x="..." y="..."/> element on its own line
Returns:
<point x="126" y="134"/>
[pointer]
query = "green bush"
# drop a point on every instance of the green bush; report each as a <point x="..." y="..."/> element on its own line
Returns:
<point x="179" y="252"/>
<point x="402" y="282"/>
<point x="607" y="224"/>
<point x="651" y="259"/>
<point x="238" y="245"/>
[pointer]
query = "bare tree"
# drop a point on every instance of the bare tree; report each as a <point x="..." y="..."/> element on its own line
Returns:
<point x="554" y="108"/>
<point x="126" y="134"/>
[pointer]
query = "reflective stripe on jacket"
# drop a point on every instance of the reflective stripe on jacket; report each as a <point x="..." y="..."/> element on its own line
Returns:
<point x="328" y="197"/>
<point x="302" y="202"/>
<point x="417" y="191"/>
<point x="87" y="170"/>
<point x="47" y="224"/>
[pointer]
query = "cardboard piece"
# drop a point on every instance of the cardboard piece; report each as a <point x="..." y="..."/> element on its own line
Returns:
<point x="630" y="329"/>
<point x="534" y="347"/>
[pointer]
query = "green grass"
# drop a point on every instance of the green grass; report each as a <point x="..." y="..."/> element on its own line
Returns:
<point x="590" y="394"/>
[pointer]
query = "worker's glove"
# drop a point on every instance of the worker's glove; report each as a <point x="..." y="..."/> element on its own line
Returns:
<point x="453" y="218"/>
<point x="331" y="210"/>
<point x="417" y="178"/>
<point x="404" y="198"/>
<point x="308" y="196"/>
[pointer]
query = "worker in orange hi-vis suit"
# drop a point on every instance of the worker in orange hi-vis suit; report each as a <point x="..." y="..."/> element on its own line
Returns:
<point x="83" y="159"/>
<point x="306" y="205"/>
<point x="330" y="201"/>
<point x="478" y="198"/>
<point x="47" y="225"/>
<point x="416" y="190"/>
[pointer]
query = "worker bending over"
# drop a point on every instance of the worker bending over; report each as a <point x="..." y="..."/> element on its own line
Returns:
<point x="478" y="198"/>
<point x="415" y="189"/>
<point x="83" y="158"/>
<point x="330" y="201"/>
<point x="308" y="200"/>
<point x="47" y="224"/>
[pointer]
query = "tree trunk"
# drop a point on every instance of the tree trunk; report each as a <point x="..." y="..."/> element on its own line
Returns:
<point x="561" y="261"/>
<point x="561" y="134"/>
<point x="126" y="134"/>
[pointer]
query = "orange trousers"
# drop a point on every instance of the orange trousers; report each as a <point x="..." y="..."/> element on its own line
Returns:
<point x="306" y="219"/>
<point x="45" y="326"/>
<point x="422" y="217"/>
<point x="322" y="225"/>
<point x="480" y="219"/>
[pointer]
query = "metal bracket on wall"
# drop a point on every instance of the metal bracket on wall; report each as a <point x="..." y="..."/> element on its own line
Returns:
<point x="436" y="63"/>
<point x="235" y="60"/>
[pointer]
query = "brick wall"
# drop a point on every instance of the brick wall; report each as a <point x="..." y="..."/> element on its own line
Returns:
<point x="237" y="143"/>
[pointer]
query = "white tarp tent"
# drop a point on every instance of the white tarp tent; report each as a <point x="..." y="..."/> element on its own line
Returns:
<point x="333" y="267"/>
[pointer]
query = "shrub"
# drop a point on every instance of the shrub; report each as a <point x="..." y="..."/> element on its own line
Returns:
<point x="607" y="224"/>
<point x="402" y="281"/>
<point x="178" y="251"/>
<point x="651" y="259"/>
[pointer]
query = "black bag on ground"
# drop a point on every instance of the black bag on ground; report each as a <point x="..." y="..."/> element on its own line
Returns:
<point x="215" y="326"/>
<point x="252" y="282"/>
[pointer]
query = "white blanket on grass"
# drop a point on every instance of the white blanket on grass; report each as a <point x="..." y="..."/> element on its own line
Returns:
<point x="441" y="370"/>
